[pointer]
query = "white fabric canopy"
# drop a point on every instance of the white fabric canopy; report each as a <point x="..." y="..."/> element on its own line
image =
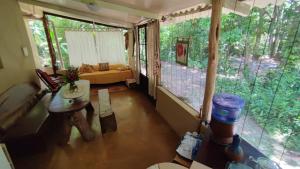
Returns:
<point x="137" y="65"/>
<point x="86" y="48"/>
<point x="111" y="47"/>
<point x="81" y="47"/>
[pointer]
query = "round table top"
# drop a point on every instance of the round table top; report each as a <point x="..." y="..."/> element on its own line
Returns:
<point x="60" y="105"/>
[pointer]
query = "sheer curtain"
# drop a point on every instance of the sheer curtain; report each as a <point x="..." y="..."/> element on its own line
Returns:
<point x="137" y="67"/>
<point x="110" y="47"/>
<point x="81" y="47"/>
<point x="153" y="57"/>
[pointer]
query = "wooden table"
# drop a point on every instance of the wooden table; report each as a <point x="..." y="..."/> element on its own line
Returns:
<point x="212" y="154"/>
<point x="70" y="111"/>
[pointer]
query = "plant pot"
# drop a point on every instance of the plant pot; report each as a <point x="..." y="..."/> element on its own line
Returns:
<point x="222" y="133"/>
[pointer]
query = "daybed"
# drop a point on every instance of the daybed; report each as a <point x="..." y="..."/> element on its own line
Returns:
<point x="116" y="73"/>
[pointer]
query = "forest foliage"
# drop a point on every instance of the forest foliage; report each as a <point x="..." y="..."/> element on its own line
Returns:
<point x="272" y="94"/>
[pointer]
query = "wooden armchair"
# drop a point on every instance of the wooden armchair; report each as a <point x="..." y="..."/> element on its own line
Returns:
<point x="53" y="83"/>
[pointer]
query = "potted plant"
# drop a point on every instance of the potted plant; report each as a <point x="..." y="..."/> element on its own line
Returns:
<point x="70" y="78"/>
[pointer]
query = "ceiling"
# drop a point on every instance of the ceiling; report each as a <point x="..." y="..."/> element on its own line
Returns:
<point x="160" y="7"/>
<point x="101" y="12"/>
<point x="128" y="12"/>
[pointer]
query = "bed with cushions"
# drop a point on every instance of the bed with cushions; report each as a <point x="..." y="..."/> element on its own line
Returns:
<point x="104" y="73"/>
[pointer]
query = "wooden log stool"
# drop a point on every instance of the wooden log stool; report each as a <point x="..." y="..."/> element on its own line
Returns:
<point x="107" y="117"/>
<point x="131" y="83"/>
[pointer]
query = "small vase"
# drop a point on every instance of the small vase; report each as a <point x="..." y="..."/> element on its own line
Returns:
<point x="73" y="87"/>
<point x="234" y="151"/>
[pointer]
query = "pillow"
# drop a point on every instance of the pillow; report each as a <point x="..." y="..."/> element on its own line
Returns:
<point x="123" y="68"/>
<point x="115" y="66"/>
<point x="48" y="79"/>
<point x="103" y="66"/>
<point x="86" y="68"/>
<point x="96" y="67"/>
<point x="81" y="69"/>
<point x="11" y="115"/>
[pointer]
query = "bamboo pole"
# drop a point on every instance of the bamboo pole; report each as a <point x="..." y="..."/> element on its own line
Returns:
<point x="50" y="45"/>
<point x="213" y="47"/>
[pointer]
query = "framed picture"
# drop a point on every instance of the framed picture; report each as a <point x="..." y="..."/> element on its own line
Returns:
<point x="182" y="47"/>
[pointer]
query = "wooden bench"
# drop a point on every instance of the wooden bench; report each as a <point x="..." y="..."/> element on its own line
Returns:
<point x="24" y="133"/>
<point x="106" y="115"/>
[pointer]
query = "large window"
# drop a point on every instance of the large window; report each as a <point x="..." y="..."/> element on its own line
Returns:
<point x="143" y="49"/>
<point x="58" y="25"/>
<point x="185" y="82"/>
<point x="259" y="60"/>
<point x="39" y="37"/>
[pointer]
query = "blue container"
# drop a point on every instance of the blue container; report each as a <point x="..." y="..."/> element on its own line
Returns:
<point x="227" y="108"/>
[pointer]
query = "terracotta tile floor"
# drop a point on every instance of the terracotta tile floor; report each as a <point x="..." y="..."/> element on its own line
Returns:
<point x="142" y="139"/>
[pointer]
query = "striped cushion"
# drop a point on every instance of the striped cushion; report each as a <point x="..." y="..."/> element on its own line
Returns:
<point x="103" y="67"/>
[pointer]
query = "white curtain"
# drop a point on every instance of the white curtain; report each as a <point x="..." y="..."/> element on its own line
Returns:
<point x="137" y="68"/>
<point x="153" y="57"/>
<point x="81" y="47"/>
<point x="110" y="47"/>
<point x="130" y="50"/>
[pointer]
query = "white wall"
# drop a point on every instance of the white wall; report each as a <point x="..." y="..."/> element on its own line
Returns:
<point x="177" y="114"/>
<point x="13" y="36"/>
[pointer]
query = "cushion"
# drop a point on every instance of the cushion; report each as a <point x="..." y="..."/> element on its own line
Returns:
<point x="103" y="66"/>
<point x="123" y="68"/>
<point x="16" y="101"/>
<point x="81" y="69"/>
<point x="86" y="68"/>
<point x="115" y="66"/>
<point x="95" y="67"/>
<point x="48" y="79"/>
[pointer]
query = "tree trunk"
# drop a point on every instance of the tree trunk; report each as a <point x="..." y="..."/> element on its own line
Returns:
<point x="259" y="32"/>
<point x="275" y="45"/>
<point x="275" y="39"/>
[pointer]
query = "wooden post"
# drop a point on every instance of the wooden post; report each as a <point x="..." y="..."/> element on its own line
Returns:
<point x="213" y="48"/>
<point x="57" y="46"/>
<point x="50" y="45"/>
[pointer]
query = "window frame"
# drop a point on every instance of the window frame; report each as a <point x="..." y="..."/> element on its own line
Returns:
<point x="144" y="26"/>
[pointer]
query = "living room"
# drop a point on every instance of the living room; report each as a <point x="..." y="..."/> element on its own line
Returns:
<point x="122" y="84"/>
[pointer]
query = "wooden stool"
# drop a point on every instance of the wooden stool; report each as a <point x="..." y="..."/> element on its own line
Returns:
<point x="130" y="83"/>
<point x="108" y="123"/>
<point x="106" y="115"/>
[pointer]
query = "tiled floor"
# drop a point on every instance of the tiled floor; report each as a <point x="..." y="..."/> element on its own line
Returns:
<point x="142" y="139"/>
